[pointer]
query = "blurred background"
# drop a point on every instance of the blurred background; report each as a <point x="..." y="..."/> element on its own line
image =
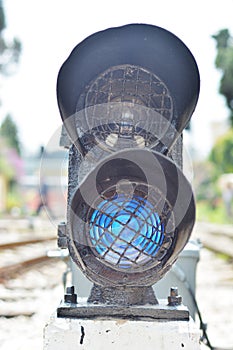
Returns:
<point x="35" y="39"/>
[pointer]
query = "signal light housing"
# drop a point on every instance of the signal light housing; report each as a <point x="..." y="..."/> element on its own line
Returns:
<point x="130" y="229"/>
<point x="125" y="95"/>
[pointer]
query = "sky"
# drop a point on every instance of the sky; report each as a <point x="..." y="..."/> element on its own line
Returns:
<point x="49" y="29"/>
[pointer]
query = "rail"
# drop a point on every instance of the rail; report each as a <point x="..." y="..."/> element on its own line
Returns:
<point x="11" y="271"/>
<point x="37" y="257"/>
<point x="215" y="237"/>
<point x="11" y="245"/>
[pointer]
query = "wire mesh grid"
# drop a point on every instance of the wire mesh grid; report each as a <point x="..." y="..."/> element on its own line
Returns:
<point x="127" y="232"/>
<point x="134" y="87"/>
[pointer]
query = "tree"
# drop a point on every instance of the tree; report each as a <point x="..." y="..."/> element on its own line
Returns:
<point x="9" y="132"/>
<point x="224" y="62"/>
<point x="9" y="50"/>
<point x="9" y="55"/>
<point x="222" y="154"/>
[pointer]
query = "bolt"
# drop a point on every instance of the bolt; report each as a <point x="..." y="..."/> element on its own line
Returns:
<point x="174" y="298"/>
<point x="174" y="292"/>
<point x="70" y="296"/>
<point x="62" y="238"/>
<point x="84" y="252"/>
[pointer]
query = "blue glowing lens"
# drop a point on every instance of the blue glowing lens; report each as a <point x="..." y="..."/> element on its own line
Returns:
<point x="126" y="233"/>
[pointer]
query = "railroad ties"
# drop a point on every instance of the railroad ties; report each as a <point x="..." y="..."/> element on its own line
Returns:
<point x="28" y="270"/>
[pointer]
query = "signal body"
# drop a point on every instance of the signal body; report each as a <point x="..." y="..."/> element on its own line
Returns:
<point x="125" y="95"/>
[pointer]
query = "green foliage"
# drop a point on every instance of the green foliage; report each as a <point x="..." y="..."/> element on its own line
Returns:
<point x="205" y="184"/>
<point x="10" y="50"/>
<point x="207" y="213"/>
<point x="222" y="38"/>
<point x="2" y="17"/>
<point x="14" y="200"/>
<point x="222" y="154"/>
<point x="209" y="188"/>
<point x="5" y="168"/>
<point x="9" y="132"/>
<point x="224" y="62"/>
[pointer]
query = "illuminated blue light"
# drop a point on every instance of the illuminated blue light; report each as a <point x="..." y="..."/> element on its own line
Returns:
<point x="126" y="232"/>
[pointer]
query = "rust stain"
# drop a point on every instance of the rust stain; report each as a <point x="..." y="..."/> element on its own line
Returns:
<point x="120" y="322"/>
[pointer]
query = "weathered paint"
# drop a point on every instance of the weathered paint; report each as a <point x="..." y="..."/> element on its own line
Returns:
<point x="70" y="334"/>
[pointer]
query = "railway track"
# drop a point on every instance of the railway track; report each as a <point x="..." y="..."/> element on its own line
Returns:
<point x="19" y="256"/>
<point x="12" y="245"/>
<point x="217" y="238"/>
<point x="27" y="253"/>
<point x="14" y="270"/>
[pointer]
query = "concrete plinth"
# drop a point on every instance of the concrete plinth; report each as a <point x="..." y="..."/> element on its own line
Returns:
<point x="115" y="334"/>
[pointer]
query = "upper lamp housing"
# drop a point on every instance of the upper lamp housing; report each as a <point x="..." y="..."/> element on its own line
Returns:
<point x="138" y="83"/>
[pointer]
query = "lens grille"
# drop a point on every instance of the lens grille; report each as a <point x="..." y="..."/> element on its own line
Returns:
<point x="129" y="96"/>
<point x="127" y="232"/>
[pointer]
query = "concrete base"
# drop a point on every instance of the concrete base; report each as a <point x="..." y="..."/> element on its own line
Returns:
<point x="115" y="334"/>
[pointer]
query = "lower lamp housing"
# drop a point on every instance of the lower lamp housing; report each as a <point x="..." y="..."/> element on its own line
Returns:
<point x="127" y="222"/>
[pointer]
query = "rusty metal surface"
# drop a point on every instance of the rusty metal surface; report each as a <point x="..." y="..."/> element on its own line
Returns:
<point x="122" y="296"/>
<point x="62" y="236"/>
<point x="160" y="312"/>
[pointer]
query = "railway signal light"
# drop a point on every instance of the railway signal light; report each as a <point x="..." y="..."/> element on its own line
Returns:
<point x="125" y="95"/>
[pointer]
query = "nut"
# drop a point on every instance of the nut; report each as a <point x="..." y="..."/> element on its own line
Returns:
<point x="174" y="298"/>
<point x="70" y="296"/>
